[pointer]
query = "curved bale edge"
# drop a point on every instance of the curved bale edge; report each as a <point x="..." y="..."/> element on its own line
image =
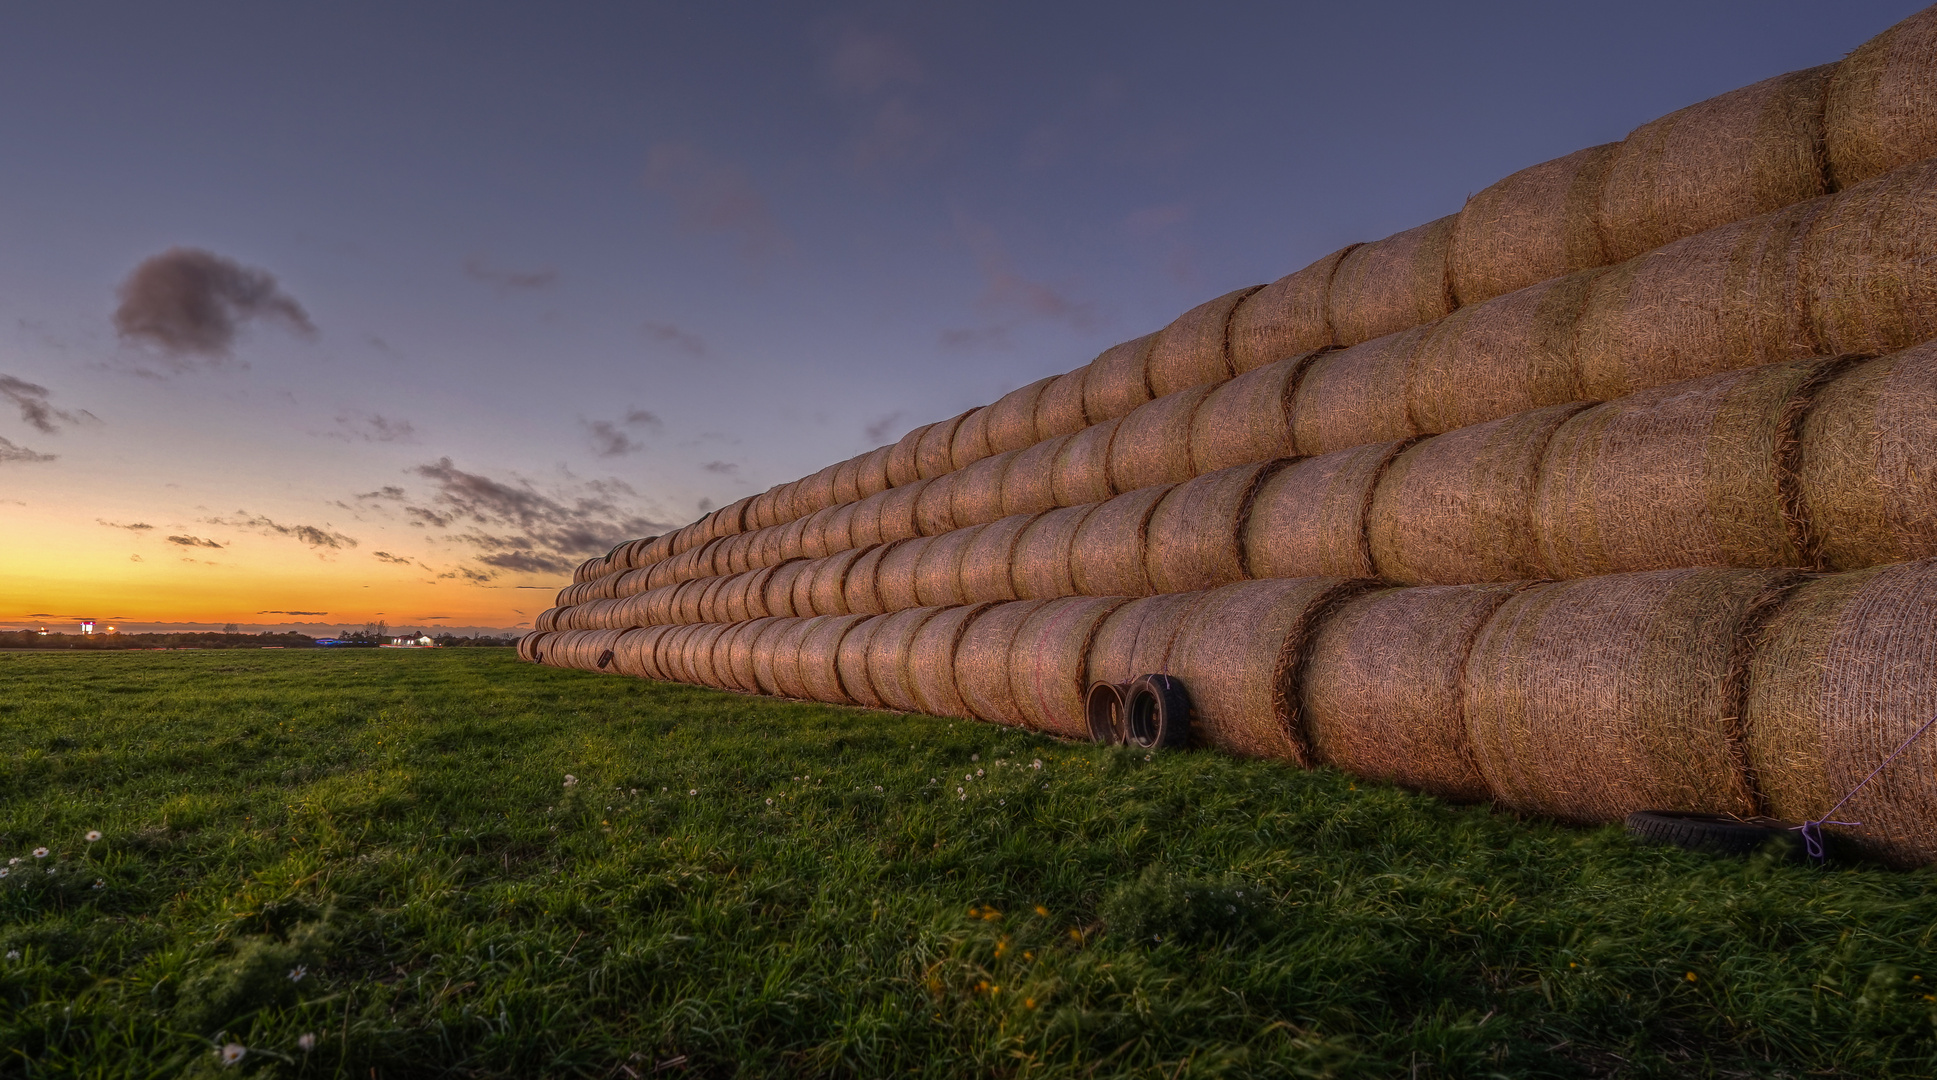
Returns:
<point x="1532" y="225"/>
<point x="1012" y="419"/>
<point x="895" y="576"/>
<point x="1028" y="484"/>
<point x="988" y="566"/>
<point x="1107" y="554"/>
<point x="1248" y="418"/>
<point x="888" y="658"/>
<point x="1196" y="531"/>
<point x="1882" y="108"/>
<point x="1393" y="284"/>
<point x="1080" y="472"/>
<point x="1292" y="315"/>
<point x="820" y="654"/>
<point x="1505" y="356"/>
<point x="1870" y="264"/>
<point x="1047" y="662"/>
<point x="1043" y="566"/>
<point x="1356" y="396"/>
<point x="1196" y="347"/>
<point x="1118" y="380"/>
<point x="1062" y="410"/>
<point x="931" y="661"/>
<point x="1135" y="639"/>
<point x="982" y="662"/>
<point x="938" y="574"/>
<point x="851" y="662"/>
<point x="1308" y="519"/>
<point x="1866" y="462"/>
<point x="1152" y="445"/>
<point x="970" y="443"/>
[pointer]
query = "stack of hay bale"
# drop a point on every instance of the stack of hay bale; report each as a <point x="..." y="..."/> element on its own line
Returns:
<point x="1615" y="490"/>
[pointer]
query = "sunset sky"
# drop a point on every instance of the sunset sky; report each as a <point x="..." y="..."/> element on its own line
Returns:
<point x="435" y="300"/>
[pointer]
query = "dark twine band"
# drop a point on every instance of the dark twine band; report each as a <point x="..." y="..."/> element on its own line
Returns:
<point x="1812" y="831"/>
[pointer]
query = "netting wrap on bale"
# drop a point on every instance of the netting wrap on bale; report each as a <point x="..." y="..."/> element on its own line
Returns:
<point x="1865" y="460"/>
<point x="1882" y="108"/>
<point x="1538" y="223"/>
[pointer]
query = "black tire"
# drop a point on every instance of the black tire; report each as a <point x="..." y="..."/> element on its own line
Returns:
<point x="1719" y="833"/>
<point x="537" y="656"/>
<point x="1156" y="712"/>
<point x="1103" y="711"/>
<point x="605" y="658"/>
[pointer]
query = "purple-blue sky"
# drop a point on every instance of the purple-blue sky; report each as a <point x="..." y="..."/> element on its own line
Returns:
<point x="570" y="269"/>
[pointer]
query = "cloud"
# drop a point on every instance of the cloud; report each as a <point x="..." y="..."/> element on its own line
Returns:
<point x="133" y="526"/>
<point x="476" y="267"/>
<point x="36" y="405"/>
<point x="609" y="439"/>
<point x="713" y="196"/>
<point x="194" y="541"/>
<point x="981" y="337"/>
<point x="479" y="577"/>
<point x="188" y="303"/>
<point x="722" y="468"/>
<point x="883" y="426"/>
<point x="386" y="493"/>
<point x="513" y="526"/>
<point x="292" y="613"/>
<point x="1008" y="297"/>
<point x="685" y="341"/>
<point x="371" y="427"/>
<point x="134" y="558"/>
<point x="385" y="556"/>
<point x="314" y="536"/>
<point x="867" y="62"/>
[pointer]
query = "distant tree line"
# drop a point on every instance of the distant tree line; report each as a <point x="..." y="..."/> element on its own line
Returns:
<point x="33" y="639"/>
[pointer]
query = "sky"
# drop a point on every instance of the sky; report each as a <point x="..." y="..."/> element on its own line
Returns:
<point x="318" y="314"/>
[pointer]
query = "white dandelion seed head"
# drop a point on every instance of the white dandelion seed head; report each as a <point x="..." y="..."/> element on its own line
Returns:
<point x="5" y="870"/>
<point x="570" y="780"/>
<point x="51" y="871"/>
<point x="978" y="772"/>
<point x="963" y="795"/>
<point x="1147" y="757"/>
<point x="877" y="787"/>
<point x="306" y="1041"/>
<point x="232" y="1053"/>
<point x="93" y="835"/>
<point x="1036" y="764"/>
<point x="694" y="791"/>
<point x="40" y="853"/>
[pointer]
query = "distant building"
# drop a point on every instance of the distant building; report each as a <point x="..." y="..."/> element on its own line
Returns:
<point x="87" y="626"/>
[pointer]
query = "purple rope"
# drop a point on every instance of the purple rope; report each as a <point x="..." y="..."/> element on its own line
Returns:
<point x="1812" y="831"/>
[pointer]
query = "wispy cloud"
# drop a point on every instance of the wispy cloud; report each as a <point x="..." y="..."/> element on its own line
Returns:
<point x="1009" y="298"/>
<point x="36" y="406"/>
<point x="385" y="556"/>
<point x="610" y="438"/>
<point x="133" y="526"/>
<point x="316" y="537"/>
<point x="194" y="542"/>
<point x="371" y="427"/>
<point x="188" y="304"/>
<point x="714" y="196"/>
<point x="722" y="468"/>
<point x="478" y="268"/>
<point x="683" y="340"/>
<point x="862" y="61"/>
<point x="881" y="427"/>
<point x="292" y="613"/>
<point x="12" y="454"/>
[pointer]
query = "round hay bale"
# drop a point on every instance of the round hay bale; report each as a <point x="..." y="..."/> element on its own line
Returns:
<point x="935" y="506"/>
<point x="1882" y="107"/>
<point x="1308" y="519"/>
<point x="793" y="537"/>
<point x="546" y="620"/>
<point x="1061" y="409"/>
<point x="1589" y="700"/>
<point x="1538" y="223"/>
<point x="1380" y="693"/>
<point x="708" y="658"/>
<point x="1737" y="155"/>
<point x="767" y="648"/>
<point x="802" y="596"/>
<point x="1012" y="419"/>
<point x="670" y="655"/>
<point x="1393" y="284"/>
<point x="851" y="662"/>
<point x="739" y="654"/>
<point x="713" y="602"/>
<point x="820" y="653"/>
<point x="686" y="600"/>
<point x="1459" y="508"/>
<point x="888" y="656"/>
<point x="1287" y="318"/>
<point x="1871" y="264"/>
<point x="1721" y="300"/>
<point x="1029" y="481"/>
<point x="970" y="443"/>
<point x="1153" y="444"/>
<point x="865" y="529"/>
<point x="558" y="648"/>
<point x="1119" y="380"/>
<point x="847" y="482"/>
<point x="813" y="534"/>
<point x="1043" y="566"/>
<point x="1356" y="396"/>
<point x="838" y="530"/>
<point x="529" y="644"/>
<point x="586" y="569"/>
<point x="589" y="615"/>
<point x="871" y="475"/>
<point x="816" y="492"/>
<point x="1841" y="676"/>
<point x="1081" y="472"/>
<point x="1107" y="556"/>
<point x="760" y="511"/>
<point x="1135" y="639"/>
<point x="778" y="589"/>
<point x="898" y="520"/>
<point x="639" y="655"/>
<point x="655" y="606"/>
<point x="828" y="593"/>
<point x="988" y="562"/>
<point x="938" y="574"/>
<point x="1864" y="474"/>
<point x="1691" y="474"/>
<point x="1247" y="419"/>
<point x="1195" y="348"/>
<point x="1196" y="533"/>
<point x="660" y="573"/>
<point x="1239" y="650"/>
<point x="631" y="583"/>
<point x="1504" y="356"/>
<point x="1048" y="661"/>
<point x="933" y="454"/>
<point x="931" y="661"/>
<point x="976" y="496"/>
<point x="982" y="662"/>
<point x="904" y="458"/>
<point x="894" y="575"/>
<point x="766" y="547"/>
<point x="737" y="600"/>
<point x="860" y="589"/>
<point x="787" y="675"/>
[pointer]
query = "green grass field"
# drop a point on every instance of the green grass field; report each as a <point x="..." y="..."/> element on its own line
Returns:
<point x="371" y="863"/>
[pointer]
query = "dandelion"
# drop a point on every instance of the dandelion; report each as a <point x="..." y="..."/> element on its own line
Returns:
<point x="297" y="973"/>
<point x="40" y="853"/>
<point x="1043" y="911"/>
<point x="13" y="954"/>
<point x="232" y="1053"/>
<point x="1028" y="1003"/>
<point x="99" y="883"/>
<point x="93" y="835"/>
<point x="4" y="871"/>
<point x="570" y="780"/>
<point x="1147" y="757"/>
<point x="978" y="772"/>
<point x="15" y="861"/>
<point x="1690" y="977"/>
<point x="963" y="795"/>
<point x="877" y="787"/>
<point x="694" y="791"/>
<point x="975" y="757"/>
<point x="1036" y="764"/>
<point x="306" y="1041"/>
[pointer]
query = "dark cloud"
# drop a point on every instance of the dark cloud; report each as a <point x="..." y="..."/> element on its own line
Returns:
<point x="188" y="303"/>
<point x="133" y="526"/>
<point x="683" y="340"/>
<point x="478" y="268"/>
<point x="513" y="526"/>
<point x="882" y="427"/>
<point x="292" y="613"/>
<point x="385" y="556"/>
<point x="314" y="536"/>
<point x="713" y="196"/>
<point x="371" y="427"/>
<point x="386" y="493"/>
<point x="722" y="468"/>
<point x="423" y="617"/>
<point x="479" y="577"/>
<point x="609" y="437"/>
<point x="194" y="541"/>
<point x="36" y="407"/>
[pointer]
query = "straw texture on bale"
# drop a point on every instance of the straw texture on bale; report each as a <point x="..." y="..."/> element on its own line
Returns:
<point x="988" y="562"/>
<point x="1043" y="566"/>
<point x="1290" y="316"/>
<point x="1539" y="223"/>
<point x="1871" y="264"/>
<point x="1691" y="474"/>
<point x="904" y="458"/>
<point x="1383" y="681"/>
<point x="935" y="506"/>
<point x="1047" y="662"/>
<point x="778" y="590"/>
<point x="1734" y="156"/>
<point x="1395" y="283"/>
<point x="1866" y="462"/>
<point x="895" y="575"/>
<point x="1882" y="110"/>
<point x="897" y="519"/>
<point x="737" y="649"/>
<point x="1248" y="418"/>
<point x="686" y="600"/>
<point x="970" y="443"/>
<point x="792" y="537"/>
<point x="1152" y="446"/>
<point x="1844" y="672"/>
<point x="736" y="600"/>
<point x="529" y="643"/>
<point x="888" y="656"/>
<point x="847" y="481"/>
<point x="977" y="491"/>
<point x="820" y="654"/>
<point x="816" y="493"/>
<point x="1195" y="539"/>
<point x="865" y="527"/>
<point x="1062" y="410"/>
<point x="871" y="475"/>
<point x="1195" y="348"/>
<point x="1508" y="355"/>
<point x="931" y="661"/>
<point x="712" y="602"/>
<point x="934" y="455"/>
<point x="1081" y="472"/>
<point x="802" y="597"/>
<point x="1589" y="700"/>
<point x="1459" y="507"/>
<point x="839" y="528"/>
<point x="764" y="646"/>
<point x="1012" y="419"/>
<point x="1107" y="556"/>
<point x="1308" y="519"/>
<point x="851" y="662"/>
<point x="786" y="658"/>
<point x="1725" y="299"/>
<point x="1029" y="481"/>
<point x="1357" y="395"/>
<point x="1135" y="639"/>
<point x="938" y="574"/>
<point x="813" y="534"/>
<point x="1239" y="651"/>
<point x="828" y="594"/>
<point x="710" y="664"/>
<point x="982" y="662"/>
<point x="671" y="656"/>
<point x="546" y="620"/>
<point x="1119" y="379"/>
<point x="861" y="590"/>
